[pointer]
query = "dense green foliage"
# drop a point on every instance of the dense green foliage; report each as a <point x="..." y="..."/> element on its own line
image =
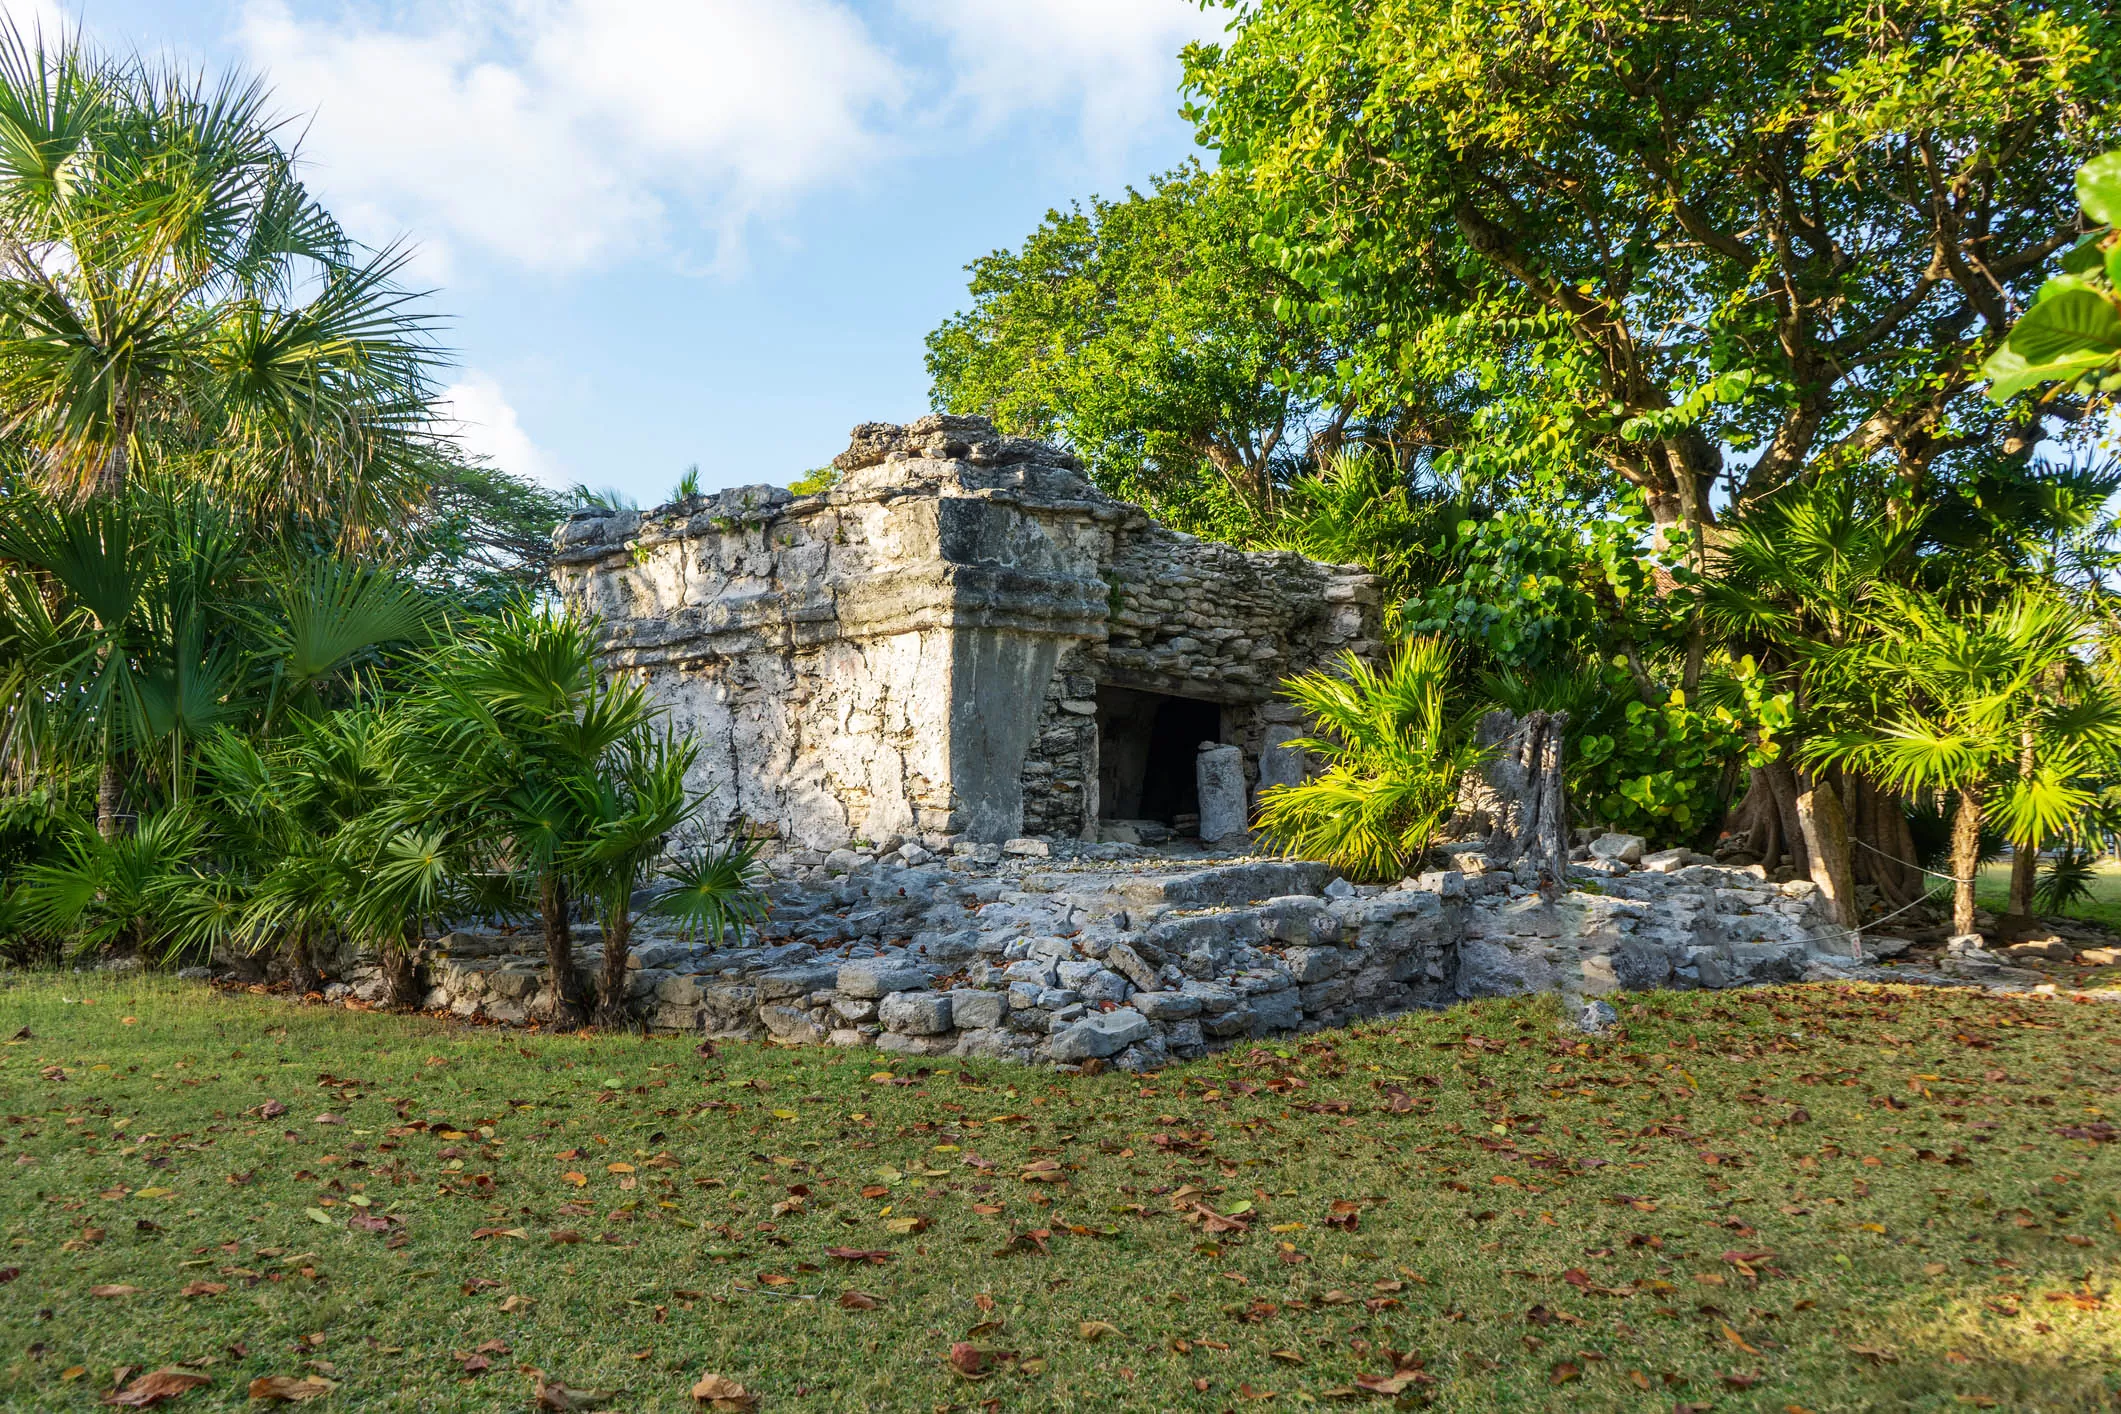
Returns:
<point x="1666" y="328"/>
<point x="266" y="679"/>
<point x="1393" y="751"/>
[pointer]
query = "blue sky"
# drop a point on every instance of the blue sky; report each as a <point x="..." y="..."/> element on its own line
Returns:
<point x="679" y="231"/>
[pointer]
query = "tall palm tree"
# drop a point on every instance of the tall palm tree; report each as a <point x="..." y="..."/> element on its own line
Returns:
<point x="171" y="295"/>
<point x="1946" y="701"/>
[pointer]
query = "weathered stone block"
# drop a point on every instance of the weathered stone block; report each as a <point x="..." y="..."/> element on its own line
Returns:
<point x="915" y="1013"/>
<point x="1105" y="1034"/>
<point x="877" y="977"/>
<point x="974" y="1010"/>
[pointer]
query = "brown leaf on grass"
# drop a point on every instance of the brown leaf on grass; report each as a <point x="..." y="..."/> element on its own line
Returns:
<point x="1876" y="1354"/>
<point x="481" y="1234"/>
<point x="1096" y="1330"/>
<point x="204" y="1288"/>
<point x="552" y="1395"/>
<point x="518" y="1302"/>
<point x="368" y="1222"/>
<point x="726" y="1396"/>
<point x="1563" y="1372"/>
<point x="286" y="1389"/>
<point x="566" y="1237"/>
<point x="875" y="1256"/>
<point x="1738" y="1340"/>
<point x="969" y="1361"/>
<point x="1044" y="1171"/>
<point x="1028" y="1241"/>
<point x="114" y="1291"/>
<point x="859" y="1301"/>
<point x="1398" y="1382"/>
<point x="156" y="1387"/>
<point x="1344" y="1214"/>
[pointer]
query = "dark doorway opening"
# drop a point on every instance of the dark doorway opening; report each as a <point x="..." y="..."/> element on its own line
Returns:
<point x="1146" y="745"/>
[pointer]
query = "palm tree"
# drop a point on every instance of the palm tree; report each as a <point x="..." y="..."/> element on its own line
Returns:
<point x="1948" y="701"/>
<point x="1394" y="755"/>
<point x="532" y="724"/>
<point x="630" y="808"/>
<point x="132" y="629"/>
<point x="171" y="296"/>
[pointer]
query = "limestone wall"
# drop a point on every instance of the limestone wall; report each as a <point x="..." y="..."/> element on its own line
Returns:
<point x="915" y="652"/>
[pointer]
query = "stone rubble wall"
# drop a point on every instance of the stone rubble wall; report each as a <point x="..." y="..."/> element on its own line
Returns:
<point x="1064" y="953"/>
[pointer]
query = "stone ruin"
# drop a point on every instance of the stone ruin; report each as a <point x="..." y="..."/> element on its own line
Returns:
<point x="961" y="643"/>
<point x="971" y="704"/>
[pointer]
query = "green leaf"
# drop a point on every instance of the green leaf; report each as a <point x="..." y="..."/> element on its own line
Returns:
<point x="318" y="1215"/>
<point x="2099" y="188"/>
<point x="2060" y="339"/>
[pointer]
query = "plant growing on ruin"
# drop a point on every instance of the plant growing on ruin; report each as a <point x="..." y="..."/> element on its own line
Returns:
<point x="1394" y="754"/>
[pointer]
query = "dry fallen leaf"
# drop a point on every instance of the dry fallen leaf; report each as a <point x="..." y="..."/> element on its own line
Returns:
<point x="155" y="1387"/>
<point x="719" y="1392"/>
<point x="204" y="1288"/>
<point x="860" y="1301"/>
<point x="112" y="1291"/>
<point x="1096" y="1330"/>
<point x="970" y="1361"/>
<point x="287" y="1389"/>
<point x="555" y="1396"/>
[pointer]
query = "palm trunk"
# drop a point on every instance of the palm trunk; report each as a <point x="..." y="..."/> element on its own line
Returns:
<point x="1966" y="858"/>
<point x="567" y="1009"/>
<point x="2025" y="860"/>
<point x="110" y="799"/>
<point x="301" y="967"/>
<point x="400" y="977"/>
<point x="111" y="476"/>
<point x="2025" y="854"/>
<point x="611" y="990"/>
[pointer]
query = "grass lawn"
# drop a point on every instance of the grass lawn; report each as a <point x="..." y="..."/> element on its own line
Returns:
<point x="1992" y="890"/>
<point x="1809" y="1198"/>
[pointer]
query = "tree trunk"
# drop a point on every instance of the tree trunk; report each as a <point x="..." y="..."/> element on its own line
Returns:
<point x="2025" y="854"/>
<point x="110" y="799"/>
<point x="567" y="1009"/>
<point x="1826" y="841"/>
<point x="1782" y="781"/>
<point x="611" y="990"/>
<point x="2025" y="861"/>
<point x="111" y="476"/>
<point x="400" y="976"/>
<point x="1966" y="858"/>
<point x="301" y="967"/>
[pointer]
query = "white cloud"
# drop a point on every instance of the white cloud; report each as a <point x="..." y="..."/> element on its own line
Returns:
<point x="569" y="135"/>
<point x="1114" y="62"/>
<point x="477" y="410"/>
<point x="560" y="134"/>
<point x="31" y="17"/>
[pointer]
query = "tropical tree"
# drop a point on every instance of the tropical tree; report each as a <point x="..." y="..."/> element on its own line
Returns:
<point x="2072" y="334"/>
<point x="1145" y="335"/>
<point x="631" y="809"/>
<point x="1947" y="700"/>
<point x="1788" y="232"/>
<point x="171" y="296"/>
<point x="134" y="627"/>
<point x="1394" y="753"/>
<point x="532" y="724"/>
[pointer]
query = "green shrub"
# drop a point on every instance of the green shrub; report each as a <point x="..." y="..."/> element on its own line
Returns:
<point x="1394" y="756"/>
